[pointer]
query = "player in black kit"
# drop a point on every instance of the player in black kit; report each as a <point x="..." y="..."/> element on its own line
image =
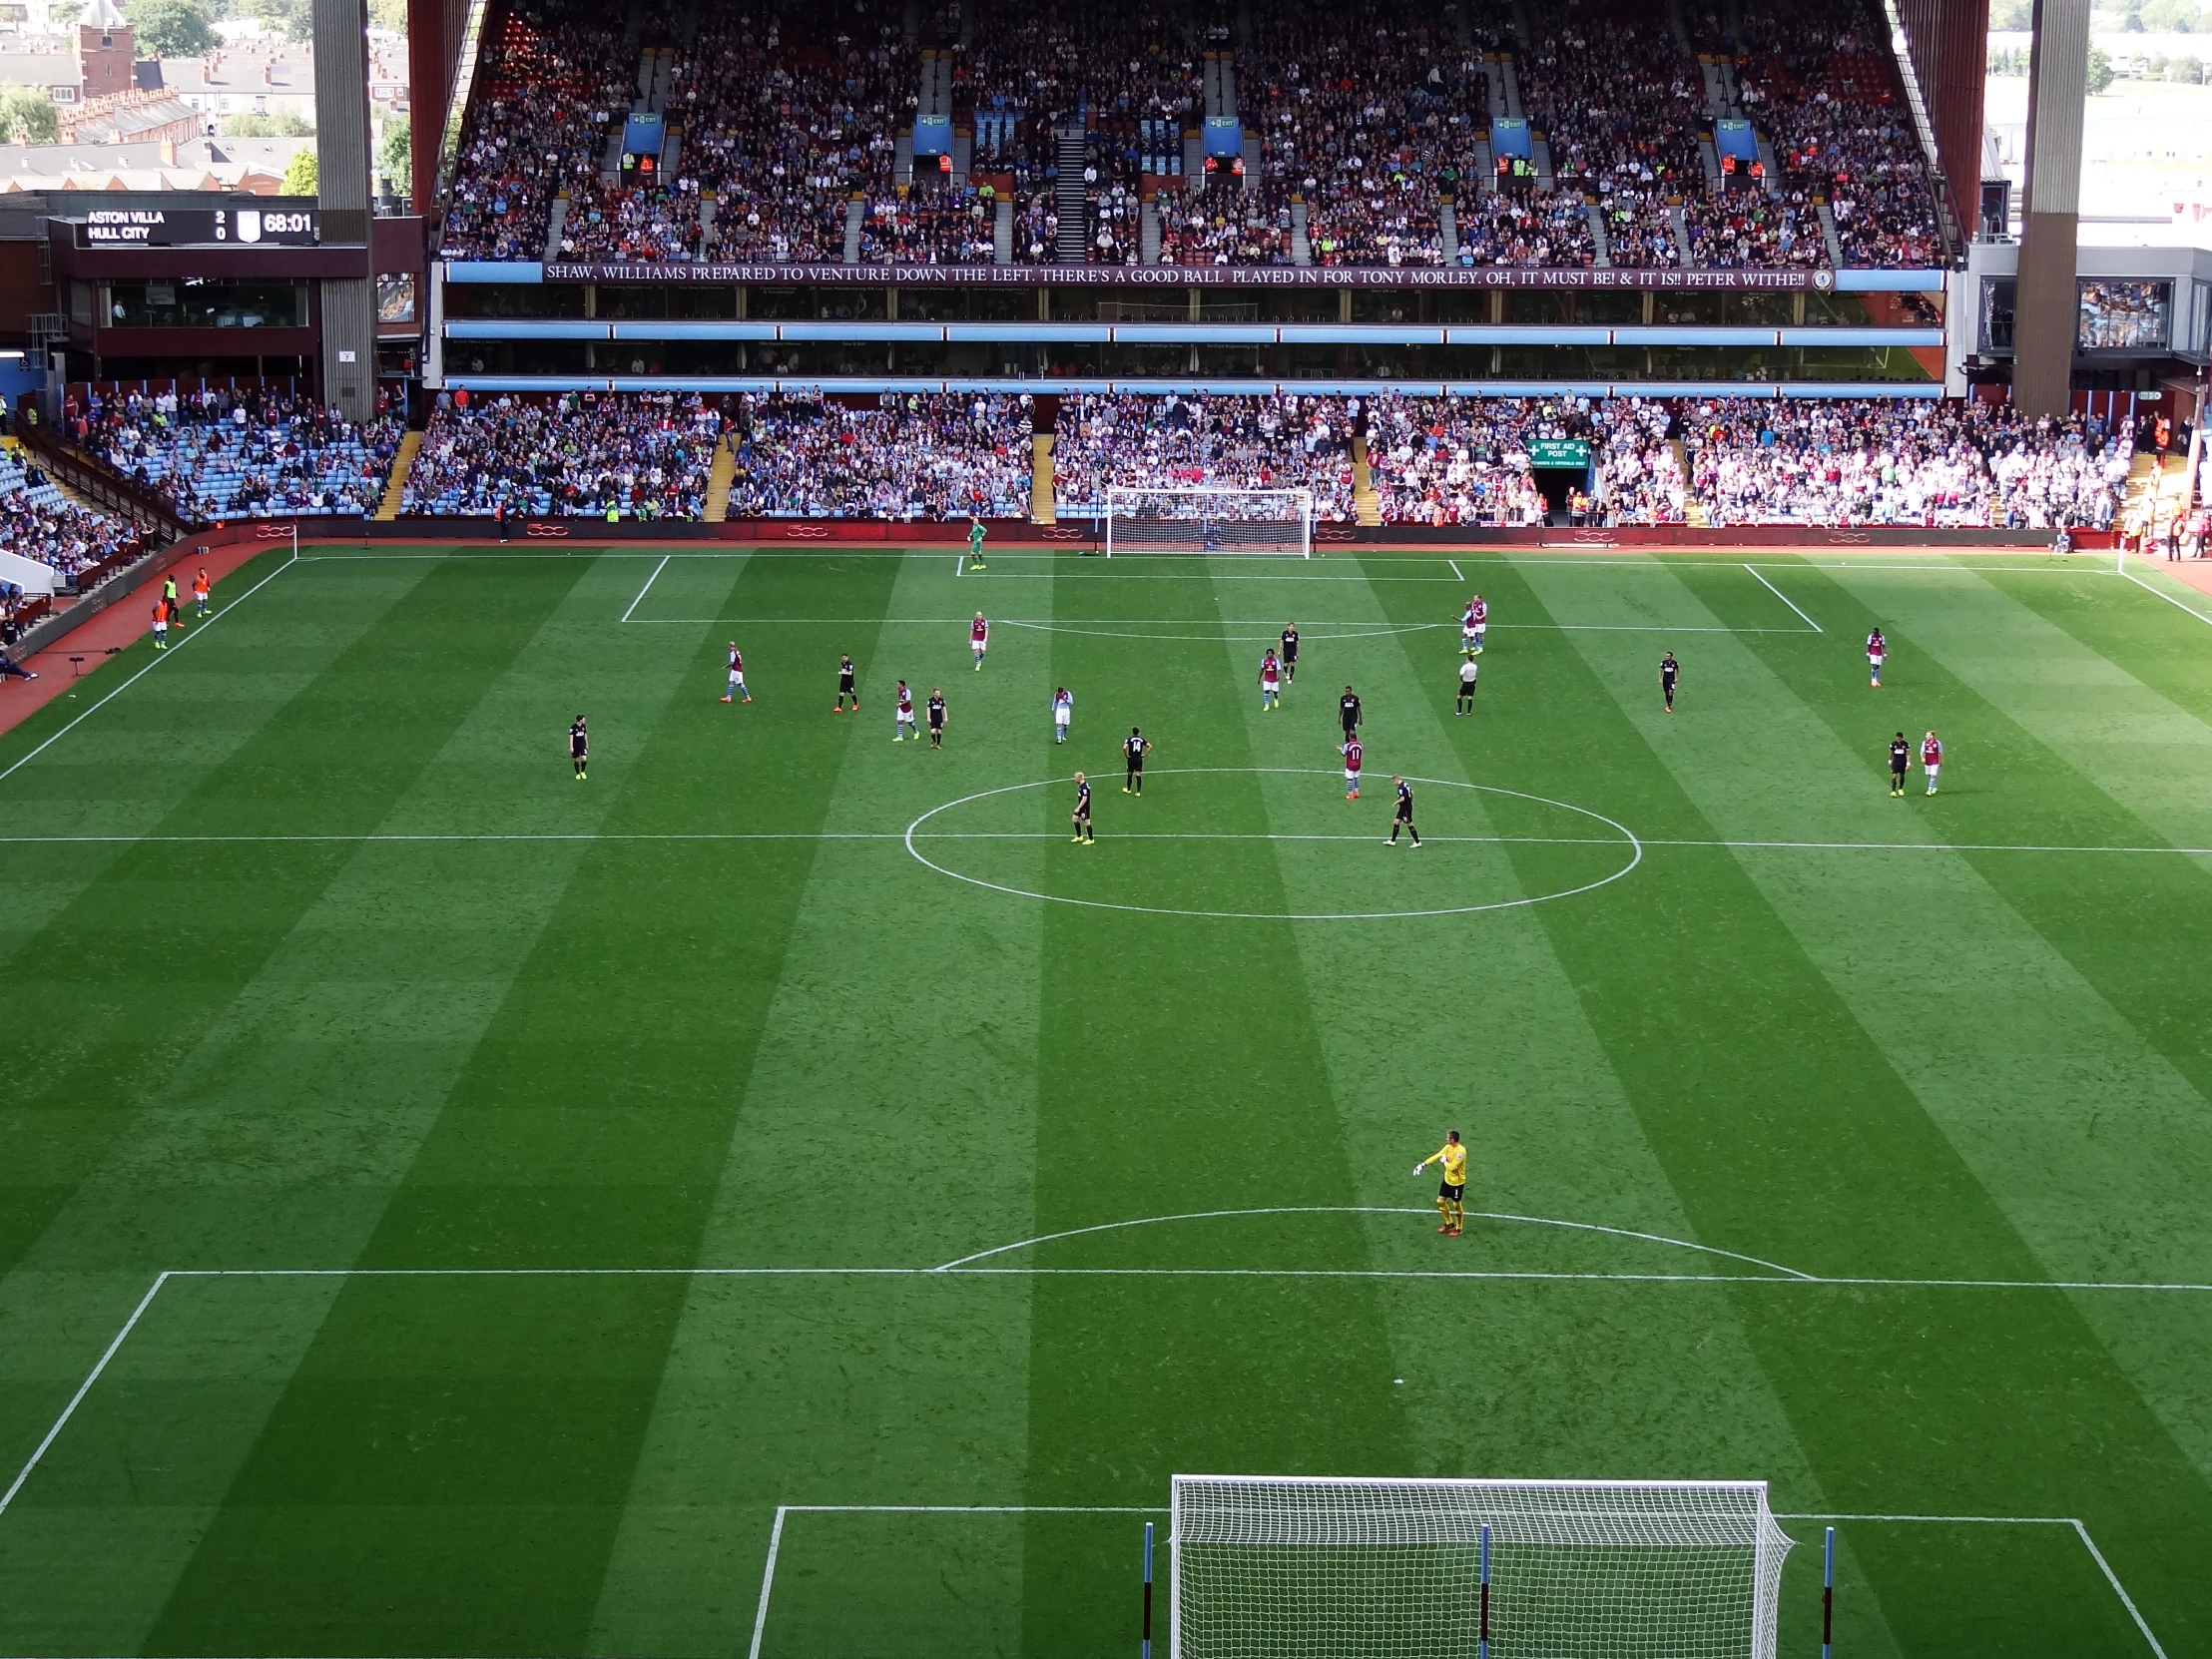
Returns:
<point x="936" y="718"/>
<point x="579" y="748"/>
<point x="845" y="687"/>
<point x="1349" y="713"/>
<point x="1900" y="756"/>
<point x="1082" y="813"/>
<point x="1290" y="652"/>
<point x="1134" y="747"/>
<point x="1405" y="819"/>
<point x="1668" y="670"/>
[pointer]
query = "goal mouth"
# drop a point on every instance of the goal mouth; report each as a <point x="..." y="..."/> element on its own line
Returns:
<point x="1263" y="1565"/>
<point x="1206" y="518"/>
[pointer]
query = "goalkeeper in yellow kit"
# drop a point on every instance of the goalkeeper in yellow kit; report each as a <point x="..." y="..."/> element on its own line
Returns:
<point x="1453" y="1157"/>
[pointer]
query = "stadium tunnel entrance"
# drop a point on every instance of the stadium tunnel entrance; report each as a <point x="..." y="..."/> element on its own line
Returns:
<point x="1563" y="487"/>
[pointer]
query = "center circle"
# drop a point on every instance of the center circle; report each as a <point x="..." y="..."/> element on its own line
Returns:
<point x="934" y="830"/>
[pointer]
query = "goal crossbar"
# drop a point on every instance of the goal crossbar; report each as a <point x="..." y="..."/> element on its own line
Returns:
<point x="1207" y="518"/>
<point x="1296" y="1565"/>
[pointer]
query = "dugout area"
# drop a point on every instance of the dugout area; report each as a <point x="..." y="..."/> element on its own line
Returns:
<point x="457" y="1211"/>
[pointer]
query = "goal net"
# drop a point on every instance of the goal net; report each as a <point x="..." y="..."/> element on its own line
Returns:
<point x="1287" y="1567"/>
<point x="1209" y="519"/>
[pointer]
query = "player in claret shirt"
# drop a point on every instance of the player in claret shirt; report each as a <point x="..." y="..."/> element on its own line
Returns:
<point x="736" y="675"/>
<point x="1472" y="621"/>
<point x="904" y="722"/>
<point x="1931" y="759"/>
<point x="979" y="635"/>
<point x="1900" y="758"/>
<point x="1271" y="683"/>
<point x="1353" y="754"/>
<point x="1878" y="649"/>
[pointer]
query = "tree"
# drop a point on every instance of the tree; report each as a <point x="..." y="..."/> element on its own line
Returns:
<point x="2100" y="71"/>
<point x="303" y="173"/>
<point x="389" y="15"/>
<point x="170" y="29"/>
<point x="281" y="125"/>
<point x="2012" y="15"/>
<point x="27" y="117"/>
<point x="293" y="19"/>
<point x="395" y="155"/>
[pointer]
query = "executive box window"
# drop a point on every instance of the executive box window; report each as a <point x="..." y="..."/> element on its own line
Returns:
<point x="2125" y="316"/>
<point x="190" y="302"/>
<point x="1998" y="296"/>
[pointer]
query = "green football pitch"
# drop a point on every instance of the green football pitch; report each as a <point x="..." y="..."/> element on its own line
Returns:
<point x="452" y="1209"/>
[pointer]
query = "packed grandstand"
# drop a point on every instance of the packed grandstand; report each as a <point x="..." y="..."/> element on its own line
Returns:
<point x="915" y="457"/>
<point x="1481" y="134"/>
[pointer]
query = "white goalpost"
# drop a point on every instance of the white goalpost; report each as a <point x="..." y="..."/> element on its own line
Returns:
<point x="1303" y="1568"/>
<point x="1209" y="519"/>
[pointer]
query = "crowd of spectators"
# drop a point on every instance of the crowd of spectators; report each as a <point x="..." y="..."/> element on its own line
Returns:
<point x="1531" y="227"/>
<point x="39" y="522"/>
<point x="1461" y="460"/>
<point x="579" y="455"/>
<point x="1178" y="441"/>
<point x="547" y="83"/>
<point x="910" y="456"/>
<point x="216" y="454"/>
<point x="1621" y="104"/>
<point x="1819" y="83"/>
<point x="1637" y="466"/>
<point x="1751" y="228"/>
<point x="781" y="116"/>
<point x="1867" y="461"/>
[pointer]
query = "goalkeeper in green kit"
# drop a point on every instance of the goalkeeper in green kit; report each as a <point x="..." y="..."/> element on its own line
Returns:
<point x="976" y="543"/>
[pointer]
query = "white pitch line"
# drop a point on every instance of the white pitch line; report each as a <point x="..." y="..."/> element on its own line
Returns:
<point x="648" y="581"/>
<point x="2112" y="1578"/>
<point x="530" y="836"/>
<point x="1785" y="598"/>
<point x="1454" y="563"/>
<point x="159" y="658"/>
<point x="768" y="1581"/>
<point x="2081" y="1531"/>
<point x="1366" y="1210"/>
<point x="83" y="1389"/>
<point x="2168" y="597"/>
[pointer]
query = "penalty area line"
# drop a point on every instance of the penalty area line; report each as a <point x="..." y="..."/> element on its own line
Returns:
<point x="648" y="581"/>
<point x="1785" y="598"/>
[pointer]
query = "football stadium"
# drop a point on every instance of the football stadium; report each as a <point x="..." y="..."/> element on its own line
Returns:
<point x="675" y="994"/>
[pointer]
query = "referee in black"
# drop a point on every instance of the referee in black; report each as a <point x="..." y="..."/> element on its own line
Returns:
<point x="1288" y="657"/>
<point x="1134" y="749"/>
<point x="1405" y="819"/>
<point x="1350" y="714"/>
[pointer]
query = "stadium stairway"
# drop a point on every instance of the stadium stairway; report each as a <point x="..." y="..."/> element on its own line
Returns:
<point x="1072" y="243"/>
<point x="1447" y="229"/>
<point x="1765" y="152"/>
<point x="1693" y="510"/>
<point x="1366" y="506"/>
<point x="1043" y="507"/>
<point x="1602" y="243"/>
<point x="1302" y="242"/>
<point x="719" y="478"/>
<point x="1710" y="161"/>
<point x="2154" y="494"/>
<point x="1679" y="221"/>
<point x="1148" y="232"/>
<point x="856" y="217"/>
<point x="556" y="223"/>
<point x="1002" y="231"/>
<point x="1828" y="233"/>
<point x="395" y="486"/>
